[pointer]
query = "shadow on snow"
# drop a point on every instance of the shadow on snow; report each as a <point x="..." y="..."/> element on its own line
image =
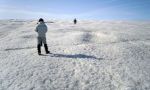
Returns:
<point x="73" y="56"/>
<point x="60" y="55"/>
<point x="9" y="49"/>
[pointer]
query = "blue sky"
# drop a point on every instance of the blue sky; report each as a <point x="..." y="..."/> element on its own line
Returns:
<point x="83" y="9"/>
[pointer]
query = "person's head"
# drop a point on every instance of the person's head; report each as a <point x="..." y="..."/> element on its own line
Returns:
<point x="41" y="20"/>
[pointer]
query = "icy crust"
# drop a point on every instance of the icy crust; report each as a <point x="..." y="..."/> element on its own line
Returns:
<point x="92" y="55"/>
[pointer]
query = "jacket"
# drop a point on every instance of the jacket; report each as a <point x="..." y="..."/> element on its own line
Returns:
<point x="41" y="29"/>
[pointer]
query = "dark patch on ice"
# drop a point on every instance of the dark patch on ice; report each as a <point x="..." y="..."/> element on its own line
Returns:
<point x="131" y="40"/>
<point x="9" y="49"/>
<point x="25" y="31"/>
<point x="29" y="36"/>
<point x="87" y="37"/>
<point x="148" y="39"/>
<point x="50" y="22"/>
<point x="127" y="40"/>
<point x="3" y="24"/>
<point x="74" y="56"/>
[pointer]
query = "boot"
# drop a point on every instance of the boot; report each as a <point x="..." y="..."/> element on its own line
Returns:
<point x="39" y="49"/>
<point x="46" y="49"/>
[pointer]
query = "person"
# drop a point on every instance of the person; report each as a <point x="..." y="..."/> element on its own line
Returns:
<point x="75" y="21"/>
<point x="41" y="29"/>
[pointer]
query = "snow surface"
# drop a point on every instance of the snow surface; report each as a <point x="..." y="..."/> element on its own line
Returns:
<point x="92" y="55"/>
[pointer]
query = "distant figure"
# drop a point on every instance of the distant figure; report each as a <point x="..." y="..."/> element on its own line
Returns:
<point x="41" y="29"/>
<point x="75" y="21"/>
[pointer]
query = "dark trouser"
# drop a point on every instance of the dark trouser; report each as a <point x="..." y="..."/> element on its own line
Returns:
<point x="40" y="41"/>
<point x="39" y="48"/>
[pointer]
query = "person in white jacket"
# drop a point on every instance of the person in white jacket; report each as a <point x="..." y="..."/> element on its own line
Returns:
<point x="41" y="29"/>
